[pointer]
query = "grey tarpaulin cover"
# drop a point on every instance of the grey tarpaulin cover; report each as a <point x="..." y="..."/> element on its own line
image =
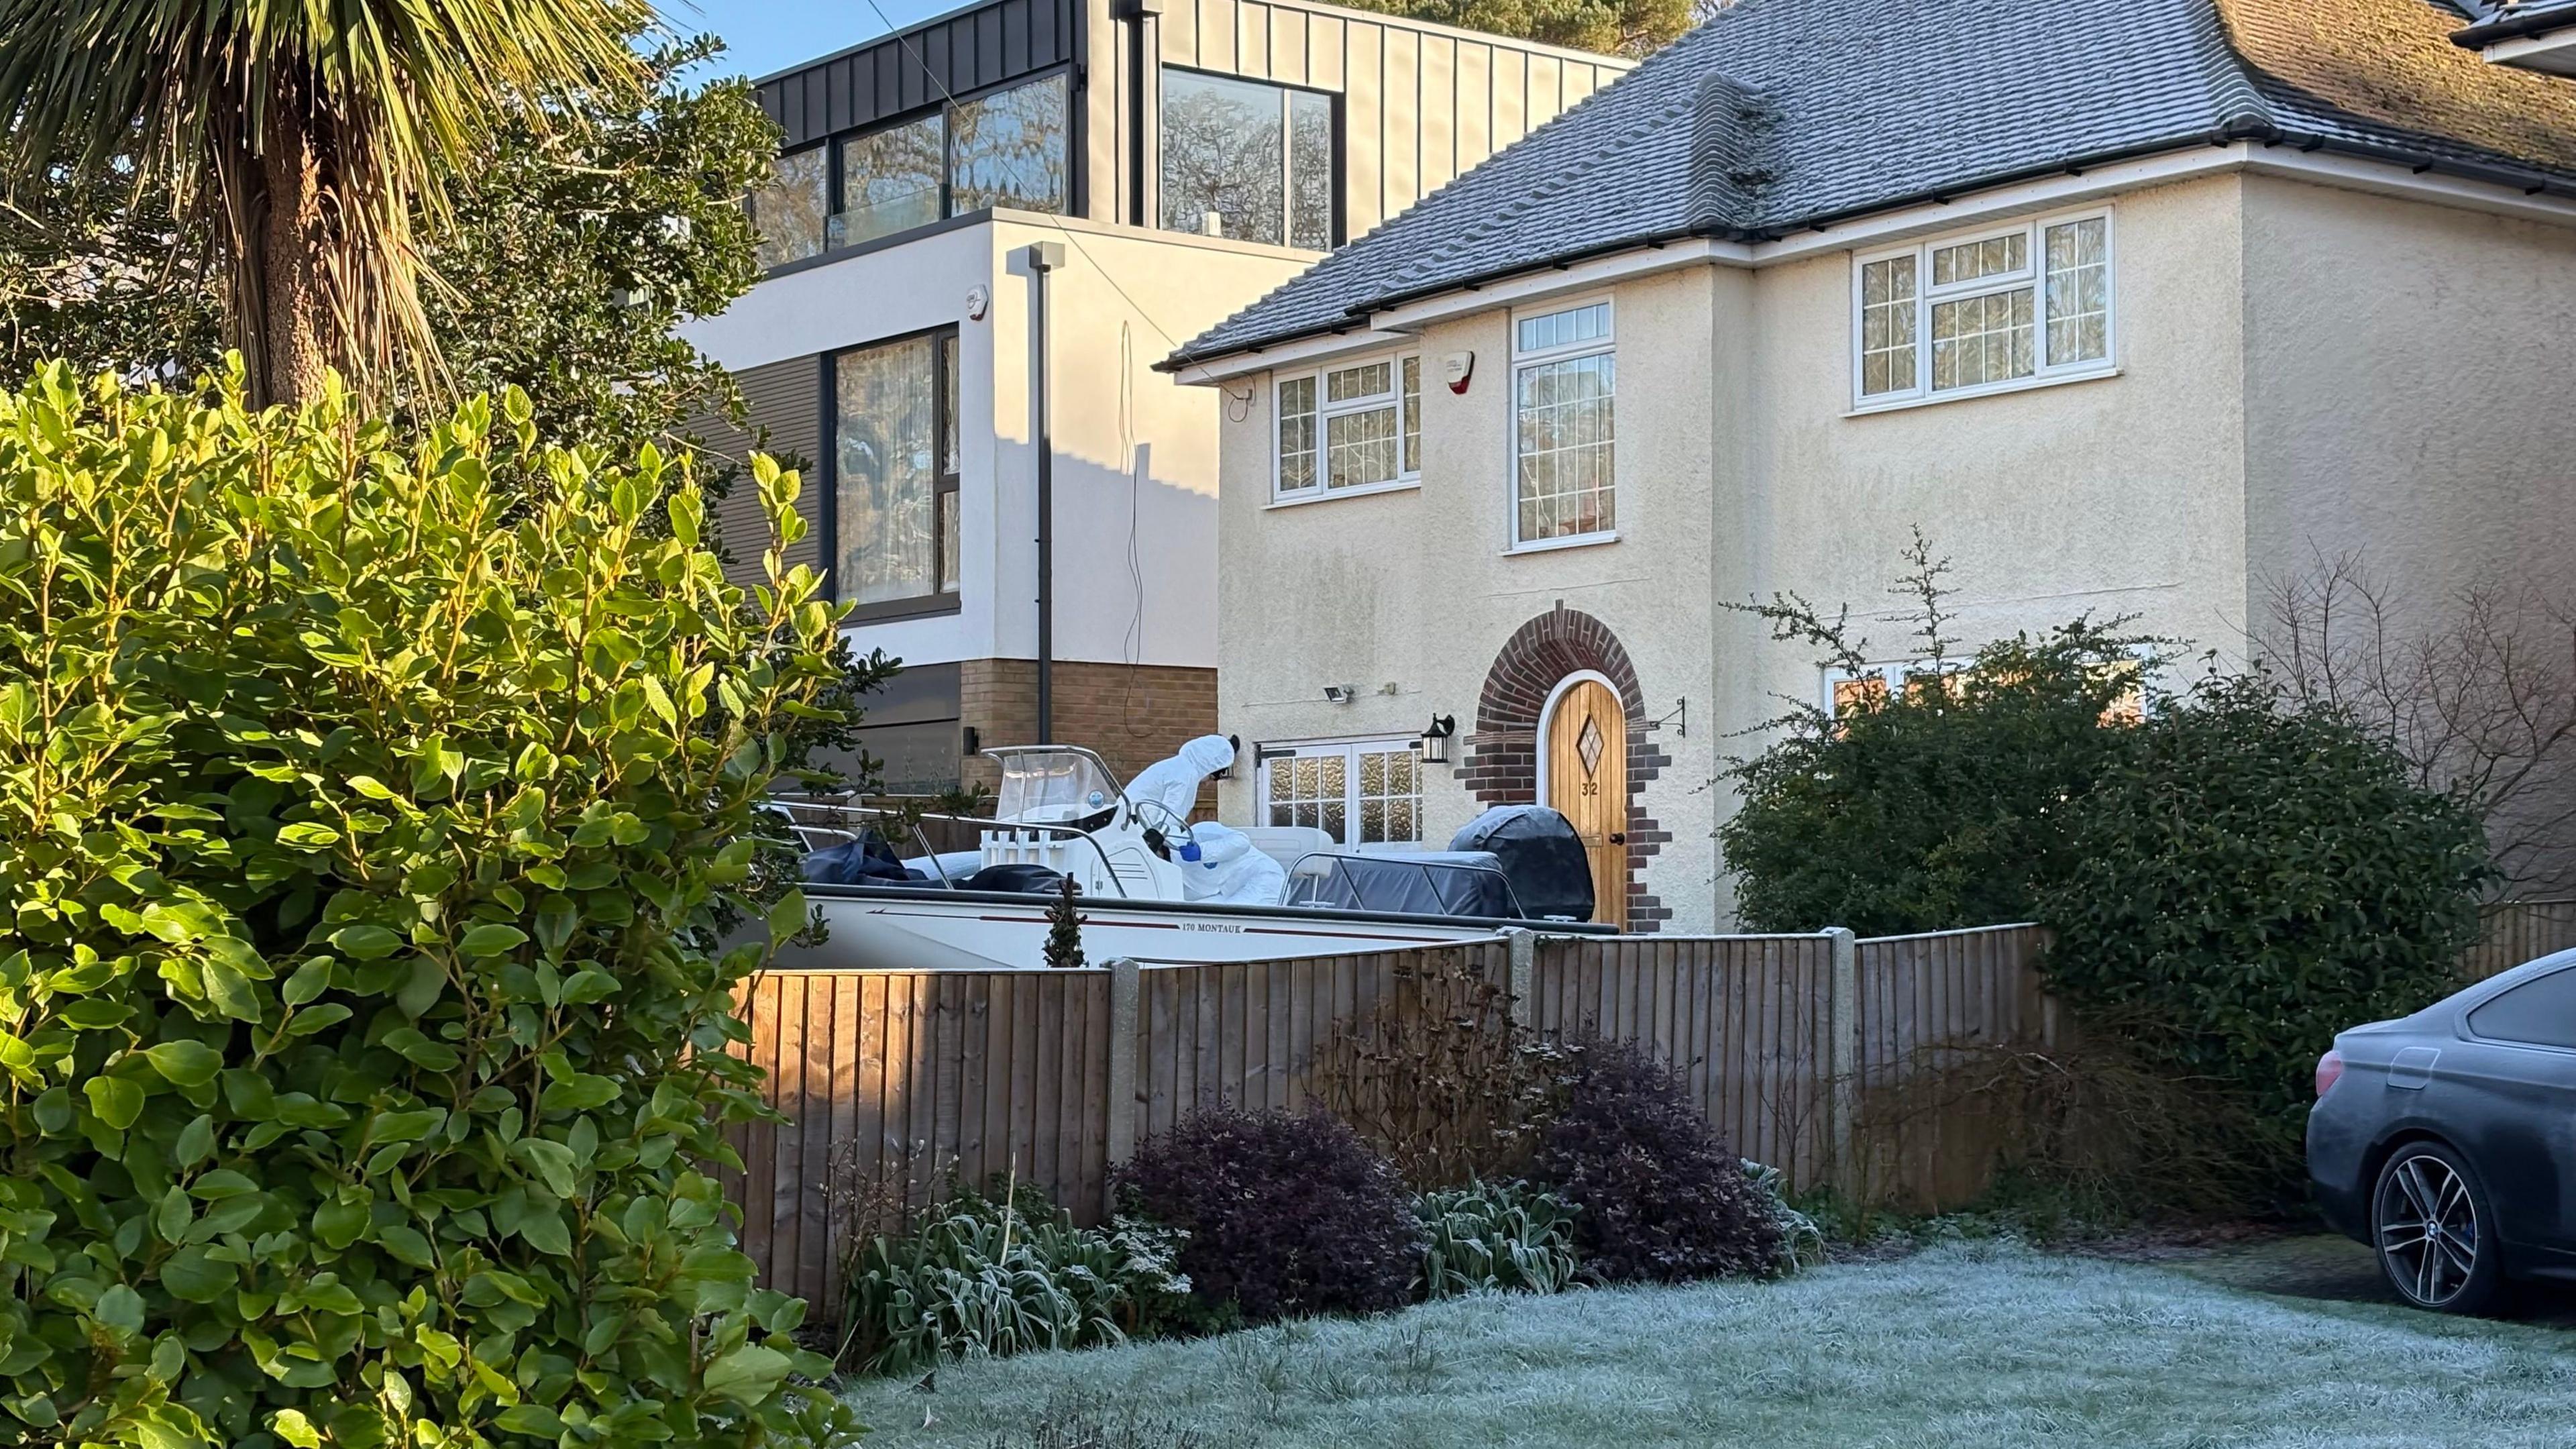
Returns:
<point x="1540" y="854"/>
<point x="1418" y="883"/>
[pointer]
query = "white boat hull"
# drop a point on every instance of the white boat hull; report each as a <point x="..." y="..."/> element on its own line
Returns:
<point x="903" y="930"/>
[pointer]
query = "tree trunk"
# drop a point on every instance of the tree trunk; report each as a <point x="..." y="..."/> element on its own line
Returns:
<point x="294" y="234"/>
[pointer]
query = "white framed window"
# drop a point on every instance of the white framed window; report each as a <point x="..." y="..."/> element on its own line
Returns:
<point x="1845" y="688"/>
<point x="1985" y="311"/>
<point x="1565" y="374"/>
<point x="1362" y="792"/>
<point x="1352" y="427"/>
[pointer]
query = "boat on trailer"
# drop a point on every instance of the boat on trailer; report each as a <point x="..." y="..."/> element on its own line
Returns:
<point x="1152" y="885"/>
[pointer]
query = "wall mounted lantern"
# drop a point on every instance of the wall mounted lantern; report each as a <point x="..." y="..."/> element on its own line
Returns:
<point x="1435" y="740"/>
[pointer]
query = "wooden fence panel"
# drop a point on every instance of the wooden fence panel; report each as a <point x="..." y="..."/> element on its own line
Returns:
<point x="894" y="1081"/>
<point x="1744" y="1020"/>
<point x="2512" y="932"/>
<point x="1928" y="1007"/>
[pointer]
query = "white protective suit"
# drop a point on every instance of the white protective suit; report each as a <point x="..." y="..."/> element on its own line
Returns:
<point x="1228" y="870"/>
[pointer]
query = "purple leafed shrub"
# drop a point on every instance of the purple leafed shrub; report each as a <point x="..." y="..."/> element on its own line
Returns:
<point x="1660" y="1197"/>
<point x="1286" y="1215"/>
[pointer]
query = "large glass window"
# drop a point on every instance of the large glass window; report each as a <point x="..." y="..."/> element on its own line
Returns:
<point x="1363" y="418"/>
<point x="1247" y="160"/>
<point x="1985" y="311"/>
<point x="1564" y="388"/>
<point x="1008" y="149"/>
<point x="890" y="180"/>
<point x="894" y="457"/>
<point x="788" y="213"/>
<point x="1369" y="793"/>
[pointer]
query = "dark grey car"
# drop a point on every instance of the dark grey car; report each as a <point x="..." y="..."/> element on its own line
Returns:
<point x="2447" y="1140"/>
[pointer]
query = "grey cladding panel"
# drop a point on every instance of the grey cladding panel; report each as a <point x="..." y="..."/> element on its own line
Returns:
<point x="984" y="47"/>
<point x="786" y="408"/>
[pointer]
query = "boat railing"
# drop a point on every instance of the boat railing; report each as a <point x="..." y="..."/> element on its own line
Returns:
<point x="834" y="830"/>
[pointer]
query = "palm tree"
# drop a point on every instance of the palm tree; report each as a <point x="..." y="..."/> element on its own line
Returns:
<point x="300" y="138"/>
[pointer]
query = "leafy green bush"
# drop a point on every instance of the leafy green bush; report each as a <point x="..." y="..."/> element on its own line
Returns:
<point x="1285" y="1214"/>
<point x="1933" y="806"/>
<point x="1802" y="1240"/>
<point x="2253" y="877"/>
<point x="363" y="1024"/>
<point x="1003" y="1274"/>
<point x="1495" y="1237"/>
<point x="1658" y="1195"/>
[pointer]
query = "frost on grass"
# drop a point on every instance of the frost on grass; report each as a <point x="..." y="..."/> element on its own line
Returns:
<point x="1977" y="1346"/>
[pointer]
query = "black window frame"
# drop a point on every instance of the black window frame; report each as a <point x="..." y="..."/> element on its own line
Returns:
<point x="942" y="598"/>
<point x="1333" y="108"/>
<point x="944" y="108"/>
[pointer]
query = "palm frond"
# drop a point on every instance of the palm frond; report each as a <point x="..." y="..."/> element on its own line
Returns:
<point x="372" y="104"/>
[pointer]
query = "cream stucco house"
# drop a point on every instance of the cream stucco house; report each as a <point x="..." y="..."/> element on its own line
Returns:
<point x="980" y="233"/>
<point x="2129" y="306"/>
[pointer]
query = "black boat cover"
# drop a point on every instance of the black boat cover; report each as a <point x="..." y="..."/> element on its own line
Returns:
<point x="1540" y="855"/>
<point x="1419" y="883"/>
<point x="867" y="860"/>
<point x="1018" y="876"/>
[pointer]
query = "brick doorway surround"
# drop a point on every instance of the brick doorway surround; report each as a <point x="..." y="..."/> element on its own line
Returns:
<point x="1501" y="763"/>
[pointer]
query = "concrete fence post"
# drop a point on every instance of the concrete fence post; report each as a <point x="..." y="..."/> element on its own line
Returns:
<point x="1523" y="948"/>
<point x="1125" y="992"/>
<point x="1842" y="1084"/>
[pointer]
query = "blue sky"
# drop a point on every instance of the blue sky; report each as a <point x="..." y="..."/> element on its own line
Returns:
<point x="767" y="35"/>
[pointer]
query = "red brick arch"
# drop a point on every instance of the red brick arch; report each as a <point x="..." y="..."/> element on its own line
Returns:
<point x="1500" y="766"/>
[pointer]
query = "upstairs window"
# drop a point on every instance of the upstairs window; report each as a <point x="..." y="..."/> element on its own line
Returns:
<point x="894" y="467"/>
<point x="1565" y="376"/>
<point x="1983" y="312"/>
<point x="789" y="213"/>
<point x="1247" y="160"/>
<point x="1007" y="148"/>
<point x="891" y="180"/>
<point x="1352" y="427"/>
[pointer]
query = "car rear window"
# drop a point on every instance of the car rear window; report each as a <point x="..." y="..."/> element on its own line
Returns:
<point x="2541" y="1012"/>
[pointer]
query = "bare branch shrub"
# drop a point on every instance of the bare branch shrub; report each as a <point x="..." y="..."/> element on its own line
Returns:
<point x="2478" y="694"/>
<point x="1437" y="1077"/>
<point x="2089" y="1118"/>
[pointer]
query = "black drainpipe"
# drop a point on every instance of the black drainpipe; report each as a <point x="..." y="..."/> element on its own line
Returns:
<point x="1044" y="257"/>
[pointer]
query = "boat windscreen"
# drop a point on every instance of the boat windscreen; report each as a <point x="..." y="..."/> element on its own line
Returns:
<point x="1050" y="786"/>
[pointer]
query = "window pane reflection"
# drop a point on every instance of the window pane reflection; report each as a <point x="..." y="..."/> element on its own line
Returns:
<point x="1247" y="160"/>
<point x="788" y="212"/>
<point x="889" y="181"/>
<point x="1010" y="149"/>
<point x="885" y="432"/>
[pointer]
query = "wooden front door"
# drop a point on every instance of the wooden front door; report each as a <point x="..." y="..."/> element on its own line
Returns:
<point x="1587" y="780"/>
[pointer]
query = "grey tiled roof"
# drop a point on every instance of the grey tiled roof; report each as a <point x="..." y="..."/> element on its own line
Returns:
<point x="1777" y="115"/>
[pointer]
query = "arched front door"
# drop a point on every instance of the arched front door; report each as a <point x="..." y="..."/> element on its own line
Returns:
<point x="1587" y="780"/>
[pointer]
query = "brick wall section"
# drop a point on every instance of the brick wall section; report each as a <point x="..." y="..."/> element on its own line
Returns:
<point x="1130" y="714"/>
<point x="1501" y="762"/>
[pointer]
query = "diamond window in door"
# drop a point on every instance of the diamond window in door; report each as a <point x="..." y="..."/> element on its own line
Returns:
<point x="1588" y="745"/>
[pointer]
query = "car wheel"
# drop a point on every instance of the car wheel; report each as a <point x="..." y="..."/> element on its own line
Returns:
<point x="2434" y="1231"/>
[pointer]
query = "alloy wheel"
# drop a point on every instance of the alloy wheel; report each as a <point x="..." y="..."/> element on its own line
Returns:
<point x="2428" y="1230"/>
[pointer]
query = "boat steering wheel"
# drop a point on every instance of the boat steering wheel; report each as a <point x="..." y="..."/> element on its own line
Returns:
<point x="1173" y="826"/>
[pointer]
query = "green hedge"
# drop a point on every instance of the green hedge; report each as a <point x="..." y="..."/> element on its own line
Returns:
<point x="362" y="1008"/>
